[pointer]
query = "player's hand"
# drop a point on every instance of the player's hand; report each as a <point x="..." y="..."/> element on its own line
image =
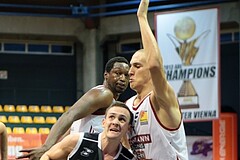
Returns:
<point x="143" y="8"/>
<point x="32" y="153"/>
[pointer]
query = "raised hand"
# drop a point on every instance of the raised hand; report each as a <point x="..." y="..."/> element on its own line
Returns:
<point x="143" y="8"/>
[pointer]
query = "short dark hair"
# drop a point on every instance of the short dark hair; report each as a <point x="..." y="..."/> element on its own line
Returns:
<point x="122" y="105"/>
<point x="112" y="61"/>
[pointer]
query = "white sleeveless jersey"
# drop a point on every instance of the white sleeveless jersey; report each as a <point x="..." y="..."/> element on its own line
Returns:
<point x="150" y="140"/>
<point x="91" y="124"/>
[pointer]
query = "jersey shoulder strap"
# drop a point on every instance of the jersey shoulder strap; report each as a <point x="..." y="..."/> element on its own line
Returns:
<point x="88" y="148"/>
<point x="93" y="136"/>
<point x="125" y="154"/>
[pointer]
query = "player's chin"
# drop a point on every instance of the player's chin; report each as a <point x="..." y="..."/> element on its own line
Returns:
<point x="132" y="86"/>
<point x="121" y="89"/>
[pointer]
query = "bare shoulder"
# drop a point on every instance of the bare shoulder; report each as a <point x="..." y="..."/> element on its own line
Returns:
<point x="74" y="137"/>
<point x="102" y="91"/>
<point x="71" y="138"/>
<point x="70" y="141"/>
<point x="97" y="97"/>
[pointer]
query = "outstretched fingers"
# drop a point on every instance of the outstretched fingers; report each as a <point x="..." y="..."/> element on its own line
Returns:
<point x="28" y="153"/>
<point x="27" y="150"/>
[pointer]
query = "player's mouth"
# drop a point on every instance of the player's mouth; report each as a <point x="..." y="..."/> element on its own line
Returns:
<point x="122" y="86"/>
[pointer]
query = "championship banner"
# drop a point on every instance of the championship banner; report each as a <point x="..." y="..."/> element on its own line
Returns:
<point x="189" y="44"/>
<point x="225" y="137"/>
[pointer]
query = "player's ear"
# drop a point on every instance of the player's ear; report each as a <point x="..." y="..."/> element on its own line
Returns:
<point x="103" y="122"/>
<point x="129" y="128"/>
<point x="106" y="75"/>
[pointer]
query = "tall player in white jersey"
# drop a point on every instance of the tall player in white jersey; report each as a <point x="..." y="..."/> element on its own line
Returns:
<point x="158" y="132"/>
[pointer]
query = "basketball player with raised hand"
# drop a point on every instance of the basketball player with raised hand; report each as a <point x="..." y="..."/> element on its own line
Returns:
<point x="158" y="132"/>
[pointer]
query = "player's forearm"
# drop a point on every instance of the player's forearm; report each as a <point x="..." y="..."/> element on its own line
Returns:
<point x="58" y="151"/>
<point x="52" y="154"/>
<point x="148" y="39"/>
<point x="57" y="130"/>
<point x="64" y="135"/>
<point x="45" y="157"/>
<point x="125" y="142"/>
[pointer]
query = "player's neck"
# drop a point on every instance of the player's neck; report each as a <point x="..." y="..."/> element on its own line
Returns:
<point x="140" y="97"/>
<point x="109" y="148"/>
<point x="115" y="94"/>
<point x="143" y="93"/>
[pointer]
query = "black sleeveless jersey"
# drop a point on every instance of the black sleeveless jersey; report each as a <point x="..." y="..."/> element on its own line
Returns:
<point x="88" y="150"/>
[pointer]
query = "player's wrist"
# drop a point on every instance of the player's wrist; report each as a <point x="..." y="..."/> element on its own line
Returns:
<point x="45" y="147"/>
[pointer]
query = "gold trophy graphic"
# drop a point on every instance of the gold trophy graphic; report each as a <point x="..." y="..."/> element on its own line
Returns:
<point x="187" y="50"/>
